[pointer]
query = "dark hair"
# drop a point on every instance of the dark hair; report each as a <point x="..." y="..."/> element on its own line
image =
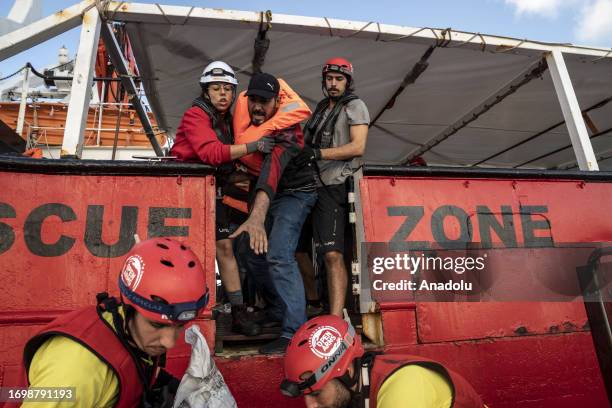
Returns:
<point x="350" y="86"/>
<point x="130" y="312"/>
<point x="204" y="88"/>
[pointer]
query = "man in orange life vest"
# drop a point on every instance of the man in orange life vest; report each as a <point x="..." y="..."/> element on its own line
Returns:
<point x="112" y="353"/>
<point x="335" y="138"/>
<point x="326" y="363"/>
<point x="205" y="136"/>
<point x="284" y="194"/>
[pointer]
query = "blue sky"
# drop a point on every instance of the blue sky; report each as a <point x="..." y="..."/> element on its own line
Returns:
<point x="585" y="22"/>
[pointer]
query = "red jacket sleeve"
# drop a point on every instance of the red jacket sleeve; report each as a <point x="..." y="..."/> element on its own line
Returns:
<point x="289" y="143"/>
<point x="196" y="140"/>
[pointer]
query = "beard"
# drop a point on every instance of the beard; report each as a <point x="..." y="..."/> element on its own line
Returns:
<point x="343" y="396"/>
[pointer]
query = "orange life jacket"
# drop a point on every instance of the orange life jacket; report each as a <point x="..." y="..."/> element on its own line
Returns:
<point x="292" y="110"/>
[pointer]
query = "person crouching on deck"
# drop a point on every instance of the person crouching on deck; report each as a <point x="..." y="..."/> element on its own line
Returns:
<point x="205" y="136"/>
<point x="112" y="353"/>
<point x="326" y="364"/>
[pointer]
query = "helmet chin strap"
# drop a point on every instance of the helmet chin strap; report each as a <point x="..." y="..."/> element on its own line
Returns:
<point x="360" y="396"/>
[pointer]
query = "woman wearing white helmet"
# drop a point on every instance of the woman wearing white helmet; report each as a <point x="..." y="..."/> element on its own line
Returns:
<point x="205" y="136"/>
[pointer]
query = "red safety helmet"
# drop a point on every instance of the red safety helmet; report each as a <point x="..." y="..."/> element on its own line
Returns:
<point x="338" y="64"/>
<point x="164" y="281"/>
<point x="323" y="349"/>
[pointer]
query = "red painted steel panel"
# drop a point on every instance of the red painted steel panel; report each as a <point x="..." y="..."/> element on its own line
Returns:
<point x="453" y="321"/>
<point x="576" y="212"/>
<point x="557" y="371"/>
<point x="576" y="209"/>
<point x="399" y="327"/>
<point x="514" y="353"/>
<point x="255" y="380"/>
<point x="64" y="238"/>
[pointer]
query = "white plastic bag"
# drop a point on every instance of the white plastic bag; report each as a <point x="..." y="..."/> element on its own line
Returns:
<point x="202" y="385"/>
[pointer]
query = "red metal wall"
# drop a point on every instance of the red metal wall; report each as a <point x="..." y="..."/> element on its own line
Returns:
<point x="63" y="239"/>
<point x="61" y="242"/>
<point x="515" y="354"/>
<point x="62" y="274"/>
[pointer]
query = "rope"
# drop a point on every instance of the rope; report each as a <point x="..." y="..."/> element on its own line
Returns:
<point x="360" y="30"/>
<point x="268" y="15"/>
<point x="112" y="16"/>
<point x="188" y="15"/>
<point x="331" y="32"/>
<point x="103" y="9"/>
<point x="409" y="79"/>
<point x="262" y="43"/>
<point x="101" y="5"/>
<point x="14" y="73"/>
<point x="163" y="13"/>
<point x="61" y="65"/>
<point x="401" y="37"/>
<point x="605" y="56"/>
<point x="513" y="48"/>
<point x="534" y="72"/>
<point x="483" y="43"/>
<point x="47" y="144"/>
<point x="443" y="42"/>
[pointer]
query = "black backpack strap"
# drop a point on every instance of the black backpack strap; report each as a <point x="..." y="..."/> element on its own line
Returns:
<point x="310" y="128"/>
<point x="330" y="121"/>
<point x="366" y="365"/>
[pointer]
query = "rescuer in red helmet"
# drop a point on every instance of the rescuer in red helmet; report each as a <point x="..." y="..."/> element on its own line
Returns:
<point x="335" y="139"/>
<point x="112" y="353"/>
<point x="325" y="362"/>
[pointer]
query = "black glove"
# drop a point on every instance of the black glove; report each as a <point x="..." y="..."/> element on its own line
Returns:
<point x="307" y="156"/>
<point x="264" y="145"/>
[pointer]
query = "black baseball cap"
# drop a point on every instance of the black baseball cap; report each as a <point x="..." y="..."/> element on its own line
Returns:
<point x="264" y="85"/>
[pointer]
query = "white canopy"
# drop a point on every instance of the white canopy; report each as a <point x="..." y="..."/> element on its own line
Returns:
<point x="467" y="74"/>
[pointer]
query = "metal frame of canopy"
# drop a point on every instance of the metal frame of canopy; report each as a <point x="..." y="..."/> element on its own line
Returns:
<point x="90" y="15"/>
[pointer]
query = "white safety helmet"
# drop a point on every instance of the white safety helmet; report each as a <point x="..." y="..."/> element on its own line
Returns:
<point x="218" y="71"/>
